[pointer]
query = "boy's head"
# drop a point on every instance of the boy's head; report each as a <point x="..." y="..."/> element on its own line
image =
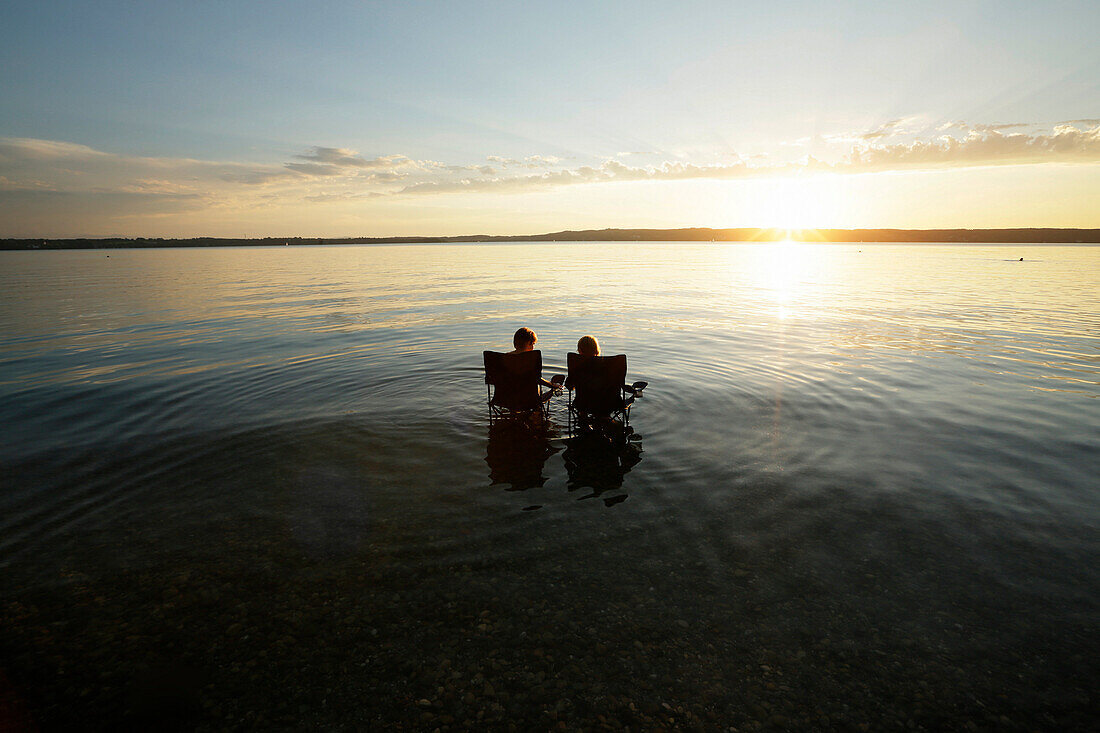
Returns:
<point x="524" y="339"/>
<point x="588" y="346"/>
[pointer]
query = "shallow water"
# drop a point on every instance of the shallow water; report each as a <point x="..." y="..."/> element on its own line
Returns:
<point x="865" y="490"/>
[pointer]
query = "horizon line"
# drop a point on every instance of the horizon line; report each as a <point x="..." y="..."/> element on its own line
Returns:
<point x="1061" y="235"/>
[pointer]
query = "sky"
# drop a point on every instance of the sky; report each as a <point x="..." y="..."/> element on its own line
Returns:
<point x="342" y="119"/>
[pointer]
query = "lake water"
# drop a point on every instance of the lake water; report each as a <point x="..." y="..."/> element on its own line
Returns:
<point x="257" y="487"/>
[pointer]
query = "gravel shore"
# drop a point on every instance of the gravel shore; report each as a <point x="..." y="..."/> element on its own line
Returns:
<point x="275" y="639"/>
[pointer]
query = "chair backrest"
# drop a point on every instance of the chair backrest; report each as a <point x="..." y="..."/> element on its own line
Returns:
<point x="515" y="378"/>
<point x="598" y="381"/>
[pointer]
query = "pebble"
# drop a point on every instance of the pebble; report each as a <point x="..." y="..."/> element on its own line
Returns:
<point x="592" y="660"/>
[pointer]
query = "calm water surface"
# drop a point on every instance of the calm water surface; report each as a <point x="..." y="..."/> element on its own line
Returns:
<point x="865" y="490"/>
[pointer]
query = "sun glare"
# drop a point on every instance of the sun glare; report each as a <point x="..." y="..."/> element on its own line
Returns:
<point x="794" y="204"/>
<point x="788" y="271"/>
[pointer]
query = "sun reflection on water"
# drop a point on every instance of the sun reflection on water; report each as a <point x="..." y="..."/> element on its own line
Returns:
<point x="788" y="271"/>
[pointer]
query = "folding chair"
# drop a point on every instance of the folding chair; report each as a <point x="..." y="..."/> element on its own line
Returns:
<point x="598" y="392"/>
<point x="512" y="384"/>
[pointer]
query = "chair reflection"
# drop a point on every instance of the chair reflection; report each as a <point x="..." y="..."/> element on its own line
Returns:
<point x="595" y="460"/>
<point x="517" y="451"/>
<point x="599" y="460"/>
<point x="601" y="448"/>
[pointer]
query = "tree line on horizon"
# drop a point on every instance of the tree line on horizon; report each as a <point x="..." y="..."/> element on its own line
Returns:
<point x="697" y="234"/>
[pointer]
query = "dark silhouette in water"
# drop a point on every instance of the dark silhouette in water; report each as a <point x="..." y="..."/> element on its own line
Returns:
<point x="600" y="459"/>
<point x="513" y="380"/>
<point x="594" y="459"/>
<point x="598" y="392"/>
<point x="517" y="451"/>
<point x="603" y="447"/>
<point x="600" y="452"/>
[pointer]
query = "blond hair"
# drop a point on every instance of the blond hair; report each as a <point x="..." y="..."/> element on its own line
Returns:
<point x="588" y="346"/>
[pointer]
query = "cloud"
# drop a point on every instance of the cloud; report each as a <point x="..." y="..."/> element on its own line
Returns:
<point x="891" y="128"/>
<point x="541" y="161"/>
<point x="256" y="175"/>
<point x="960" y="126"/>
<point x="611" y="171"/>
<point x="315" y="169"/>
<point x="584" y="174"/>
<point x="43" y="176"/>
<point x="65" y="166"/>
<point x="531" y="161"/>
<point x="7" y="184"/>
<point x="328" y="162"/>
<point x="386" y="176"/>
<point x="996" y="128"/>
<point x="897" y="127"/>
<point x="341" y="196"/>
<point x="344" y="158"/>
<point x="884" y="130"/>
<point x="34" y="164"/>
<point x="18" y="149"/>
<point x="486" y="170"/>
<point x="1064" y="144"/>
<point x="983" y="145"/>
<point x="157" y="186"/>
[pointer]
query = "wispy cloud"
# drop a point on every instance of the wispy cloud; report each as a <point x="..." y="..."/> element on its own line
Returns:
<point x="341" y="196"/>
<point x="960" y="126"/>
<point x="46" y="171"/>
<point x="26" y="184"/>
<point x="884" y="130"/>
<point x="315" y="169"/>
<point x="983" y="145"/>
<point x="531" y="161"/>
<point x="541" y="161"/>
<point x="28" y="163"/>
<point x="21" y="149"/>
<point x="894" y="128"/>
<point x="344" y="158"/>
<point x="64" y="166"/>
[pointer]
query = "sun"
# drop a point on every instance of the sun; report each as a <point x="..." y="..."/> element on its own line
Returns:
<point x="798" y="203"/>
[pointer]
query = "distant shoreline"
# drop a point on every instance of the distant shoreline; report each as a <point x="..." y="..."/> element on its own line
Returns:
<point x="886" y="236"/>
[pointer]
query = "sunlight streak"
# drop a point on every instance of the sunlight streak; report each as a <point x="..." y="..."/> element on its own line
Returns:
<point x="789" y="272"/>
